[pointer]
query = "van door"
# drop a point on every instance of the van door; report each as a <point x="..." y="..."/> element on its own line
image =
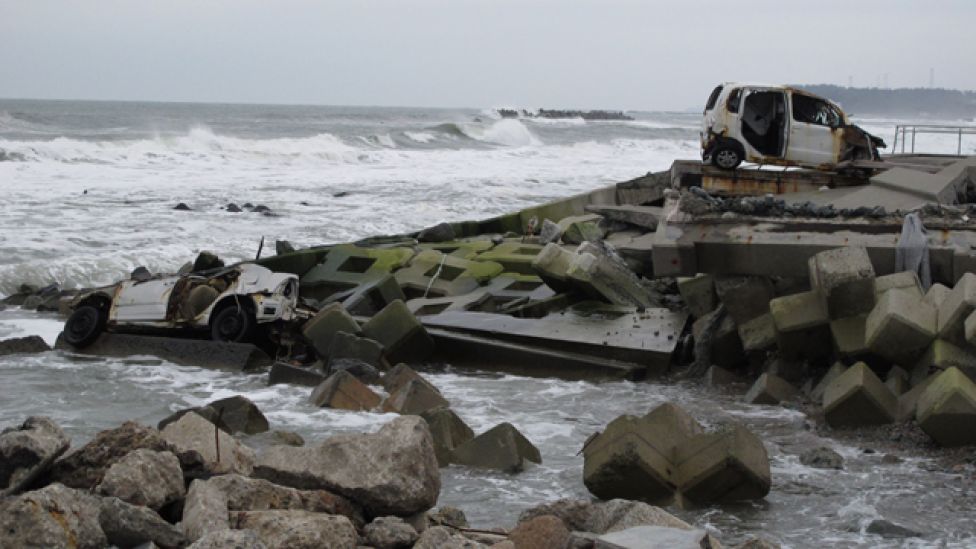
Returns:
<point x="763" y="123"/>
<point x="814" y="131"/>
<point x="144" y="301"/>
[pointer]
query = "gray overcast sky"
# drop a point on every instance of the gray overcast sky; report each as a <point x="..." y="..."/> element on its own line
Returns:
<point x="475" y="53"/>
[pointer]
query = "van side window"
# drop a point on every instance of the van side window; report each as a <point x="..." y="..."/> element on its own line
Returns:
<point x="811" y="110"/>
<point x="733" y="103"/>
<point x="713" y="98"/>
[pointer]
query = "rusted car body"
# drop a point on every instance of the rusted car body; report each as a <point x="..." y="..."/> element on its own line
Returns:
<point x="780" y="125"/>
<point x="230" y="302"/>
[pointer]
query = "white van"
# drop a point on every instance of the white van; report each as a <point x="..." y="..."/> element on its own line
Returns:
<point x="781" y="125"/>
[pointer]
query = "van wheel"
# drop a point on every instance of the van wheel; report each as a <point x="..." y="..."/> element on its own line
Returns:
<point x="84" y="326"/>
<point x="726" y="155"/>
<point x="232" y="324"/>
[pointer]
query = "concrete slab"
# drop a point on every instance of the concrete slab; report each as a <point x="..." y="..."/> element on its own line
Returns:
<point x="636" y="249"/>
<point x="900" y="327"/>
<point x="645" y="217"/>
<point x="205" y="353"/>
<point x="297" y="263"/>
<point x="514" y="255"/>
<point x="857" y="397"/>
<point x="434" y="274"/>
<point x="947" y="409"/>
<point x="499" y="295"/>
<point x="844" y="277"/>
<point x="348" y="269"/>
<point x="603" y="276"/>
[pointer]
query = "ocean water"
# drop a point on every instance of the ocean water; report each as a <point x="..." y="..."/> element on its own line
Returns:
<point x="87" y="192"/>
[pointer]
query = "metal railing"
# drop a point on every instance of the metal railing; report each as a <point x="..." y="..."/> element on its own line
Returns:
<point x="910" y="130"/>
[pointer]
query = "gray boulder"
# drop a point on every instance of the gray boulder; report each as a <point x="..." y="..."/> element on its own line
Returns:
<point x="621" y="514"/>
<point x="145" y="477"/>
<point x="204" y="510"/>
<point x="251" y="494"/>
<point x="240" y="415"/>
<point x="641" y="537"/>
<point x="390" y="533"/>
<point x="127" y="525"/>
<point x="23" y="345"/>
<point x="195" y="440"/>
<point x="442" y="537"/>
<point x="442" y="232"/>
<point x="85" y="467"/>
<point x="54" y="516"/>
<point x="297" y="529"/>
<point x="225" y="539"/>
<point x="575" y="513"/>
<point x="28" y="451"/>
<point x="391" y="472"/>
<point x="448" y="516"/>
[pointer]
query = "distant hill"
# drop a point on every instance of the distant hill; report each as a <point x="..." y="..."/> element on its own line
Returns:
<point x="901" y="102"/>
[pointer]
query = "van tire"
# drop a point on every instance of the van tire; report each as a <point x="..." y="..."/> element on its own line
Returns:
<point x="726" y="155"/>
<point x="232" y="323"/>
<point x="84" y="326"/>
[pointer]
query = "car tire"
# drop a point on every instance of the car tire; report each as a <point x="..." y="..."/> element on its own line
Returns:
<point x="84" y="326"/>
<point x="233" y="323"/>
<point x="726" y="155"/>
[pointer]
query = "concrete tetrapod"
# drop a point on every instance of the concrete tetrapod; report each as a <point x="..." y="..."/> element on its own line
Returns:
<point x="955" y="308"/>
<point x="900" y="327"/>
<point x="728" y="465"/>
<point x="634" y="457"/>
<point x="502" y="447"/>
<point x="770" y="389"/>
<point x="343" y="391"/>
<point x="946" y="409"/>
<point x="844" y="277"/>
<point x="858" y="397"/>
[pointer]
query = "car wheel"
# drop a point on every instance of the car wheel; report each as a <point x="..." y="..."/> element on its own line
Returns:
<point x="726" y="156"/>
<point x="84" y="326"/>
<point x="232" y="324"/>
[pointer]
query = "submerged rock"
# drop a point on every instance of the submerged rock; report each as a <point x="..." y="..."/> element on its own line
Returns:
<point x="23" y="345"/>
<point x="822" y="458"/>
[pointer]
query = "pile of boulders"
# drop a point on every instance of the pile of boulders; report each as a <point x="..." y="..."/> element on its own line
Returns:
<point x="895" y="352"/>
<point x="49" y="298"/>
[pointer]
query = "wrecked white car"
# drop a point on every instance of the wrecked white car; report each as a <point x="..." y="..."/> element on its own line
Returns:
<point x="780" y="125"/>
<point x="231" y="303"/>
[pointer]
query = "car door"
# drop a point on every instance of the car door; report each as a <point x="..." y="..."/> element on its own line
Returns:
<point x="146" y="301"/>
<point x="813" y="122"/>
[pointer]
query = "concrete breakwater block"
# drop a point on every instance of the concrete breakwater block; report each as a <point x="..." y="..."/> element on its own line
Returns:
<point x="205" y="353"/>
<point x="551" y="264"/>
<point x="802" y="325"/>
<point x="858" y="397"/>
<point x="347" y="345"/>
<point x="282" y="372"/>
<point x="502" y="447"/>
<point x="817" y="391"/>
<point x="946" y="409"/>
<point x="848" y="336"/>
<point x="956" y="306"/>
<point x="607" y="277"/>
<point x="414" y="397"/>
<point x="634" y="457"/>
<point x="942" y="355"/>
<point x="343" y="391"/>
<point x="436" y="274"/>
<point x="900" y="327"/>
<point x="937" y="294"/>
<point x="844" y="277"/>
<point x="400" y="375"/>
<point x="448" y="431"/>
<point x="745" y="297"/>
<point x="699" y="294"/>
<point x="728" y="465"/>
<point x="403" y="337"/>
<point x="759" y="333"/>
<point x="770" y="389"/>
<point x="906" y="281"/>
<point x="322" y="328"/>
<point x="725" y="345"/>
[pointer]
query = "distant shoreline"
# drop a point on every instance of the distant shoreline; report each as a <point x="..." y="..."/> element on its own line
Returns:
<point x="901" y="102"/>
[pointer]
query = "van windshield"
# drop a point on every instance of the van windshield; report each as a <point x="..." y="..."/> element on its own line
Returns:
<point x="713" y="98"/>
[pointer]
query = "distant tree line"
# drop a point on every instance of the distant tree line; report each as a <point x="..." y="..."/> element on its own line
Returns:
<point x="920" y="102"/>
<point x="557" y="114"/>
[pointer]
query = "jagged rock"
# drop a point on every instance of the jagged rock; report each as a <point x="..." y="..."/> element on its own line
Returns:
<point x="393" y="471"/>
<point x="194" y="440"/>
<point x="145" y="477"/>
<point x="543" y="532"/>
<point x="251" y="494"/>
<point x="23" y="345"/>
<point x="225" y="539"/>
<point x="127" y="525"/>
<point x="363" y="371"/>
<point x="502" y="447"/>
<point x="240" y="415"/>
<point x="822" y="458"/>
<point x="634" y="457"/>
<point x="296" y="529"/>
<point x="448" y="516"/>
<point x="343" y="391"/>
<point x="442" y="537"/>
<point x="233" y="208"/>
<point x="28" y="451"/>
<point x="390" y="533"/>
<point x="183" y="207"/>
<point x="54" y="516"/>
<point x="621" y="514"/>
<point x="448" y="431"/>
<point x="84" y="468"/>
<point x="204" y="510"/>
<point x="442" y="232"/>
<point x="416" y="396"/>
<point x="727" y="465"/>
